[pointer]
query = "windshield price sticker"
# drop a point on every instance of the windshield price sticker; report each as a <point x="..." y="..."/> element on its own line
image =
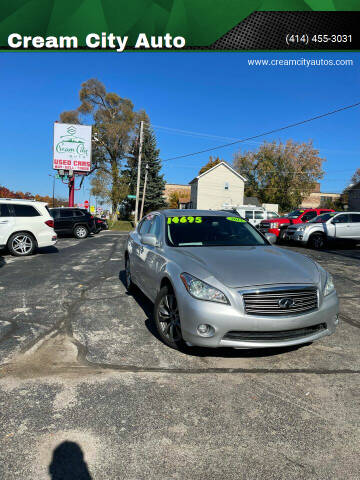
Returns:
<point x="184" y="220"/>
<point x="236" y="219"/>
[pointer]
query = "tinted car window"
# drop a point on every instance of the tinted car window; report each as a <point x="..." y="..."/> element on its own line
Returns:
<point x="355" y="217"/>
<point x="272" y="215"/>
<point x="259" y="215"/>
<point x="295" y="213"/>
<point x="66" y="213"/>
<point x="78" y="213"/>
<point x="25" y="211"/>
<point x="211" y="231"/>
<point x="54" y="213"/>
<point x="4" y="210"/>
<point x="344" y="218"/>
<point x="249" y="214"/>
<point x="322" y="218"/>
<point x="308" y="216"/>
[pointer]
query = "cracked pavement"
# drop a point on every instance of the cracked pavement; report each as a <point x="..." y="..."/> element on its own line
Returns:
<point x="80" y="362"/>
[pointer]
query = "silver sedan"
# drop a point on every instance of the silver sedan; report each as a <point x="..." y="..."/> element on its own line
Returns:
<point x="215" y="281"/>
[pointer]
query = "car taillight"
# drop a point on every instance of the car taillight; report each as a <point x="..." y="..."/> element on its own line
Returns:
<point x="98" y="221"/>
<point x="50" y="223"/>
<point x="91" y="216"/>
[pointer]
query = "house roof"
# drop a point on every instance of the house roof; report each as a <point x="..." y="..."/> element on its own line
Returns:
<point x="213" y="168"/>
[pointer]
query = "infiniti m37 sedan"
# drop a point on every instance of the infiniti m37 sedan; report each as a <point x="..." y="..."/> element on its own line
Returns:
<point x="215" y="281"/>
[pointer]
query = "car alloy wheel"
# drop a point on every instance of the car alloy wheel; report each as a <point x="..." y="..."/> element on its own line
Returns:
<point x="22" y="244"/>
<point x="317" y="242"/>
<point x="81" y="232"/>
<point x="167" y="318"/>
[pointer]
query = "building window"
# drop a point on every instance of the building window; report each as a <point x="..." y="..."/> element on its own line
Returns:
<point x="226" y="186"/>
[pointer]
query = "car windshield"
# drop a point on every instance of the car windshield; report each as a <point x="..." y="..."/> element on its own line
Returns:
<point x="295" y="213"/>
<point x="322" y="218"/>
<point x="211" y="231"/>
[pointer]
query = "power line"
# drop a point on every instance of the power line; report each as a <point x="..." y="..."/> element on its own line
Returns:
<point x="265" y="133"/>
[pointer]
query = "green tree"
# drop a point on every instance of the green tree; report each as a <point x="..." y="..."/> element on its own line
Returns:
<point x="356" y="177"/>
<point x="154" y="195"/>
<point x="113" y="120"/>
<point x="211" y="163"/>
<point x="283" y="173"/>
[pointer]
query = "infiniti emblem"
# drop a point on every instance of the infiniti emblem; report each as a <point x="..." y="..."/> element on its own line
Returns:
<point x="286" y="303"/>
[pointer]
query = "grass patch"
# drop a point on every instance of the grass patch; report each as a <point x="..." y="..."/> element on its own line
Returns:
<point x="121" y="226"/>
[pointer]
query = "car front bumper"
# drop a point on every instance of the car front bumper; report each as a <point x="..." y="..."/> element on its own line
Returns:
<point x="231" y="318"/>
<point x="295" y="236"/>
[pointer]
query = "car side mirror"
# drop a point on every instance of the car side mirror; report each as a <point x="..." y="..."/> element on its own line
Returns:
<point x="270" y="237"/>
<point x="150" y="239"/>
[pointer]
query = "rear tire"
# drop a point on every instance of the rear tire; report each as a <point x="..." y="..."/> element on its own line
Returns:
<point x="317" y="241"/>
<point x="80" y="231"/>
<point x="281" y="237"/>
<point x="21" y="244"/>
<point x="167" y="319"/>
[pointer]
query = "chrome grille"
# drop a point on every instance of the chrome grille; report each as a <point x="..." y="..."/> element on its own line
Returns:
<point x="268" y="301"/>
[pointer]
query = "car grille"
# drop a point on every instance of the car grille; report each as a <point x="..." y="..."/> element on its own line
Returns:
<point x="264" y="225"/>
<point x="271" y="302"/>
<point x="279" y="335"/>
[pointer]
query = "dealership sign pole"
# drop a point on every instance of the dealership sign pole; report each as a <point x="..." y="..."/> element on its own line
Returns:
<point x="72" y="153"/>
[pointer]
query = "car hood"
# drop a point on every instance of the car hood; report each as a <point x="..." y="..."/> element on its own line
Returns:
<point x="249" y="266"/>
<point x="277" y="220"/>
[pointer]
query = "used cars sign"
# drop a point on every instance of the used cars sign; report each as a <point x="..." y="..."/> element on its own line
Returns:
<point x="72" y="147"/>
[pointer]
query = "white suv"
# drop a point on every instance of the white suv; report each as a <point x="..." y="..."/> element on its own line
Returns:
<point x="25" y="225"/>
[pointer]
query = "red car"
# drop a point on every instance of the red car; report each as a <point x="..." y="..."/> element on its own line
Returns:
<point x="279" y="225"/>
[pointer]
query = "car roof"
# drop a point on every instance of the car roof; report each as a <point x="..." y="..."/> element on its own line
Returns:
<point x="192" y="212"/>
<point x="22" y="200"/>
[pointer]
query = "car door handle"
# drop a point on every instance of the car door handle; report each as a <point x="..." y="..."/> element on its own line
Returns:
<point x="4" y="221"/>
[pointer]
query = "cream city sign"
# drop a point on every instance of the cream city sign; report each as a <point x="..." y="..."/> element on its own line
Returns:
<point x="72" y="147"/>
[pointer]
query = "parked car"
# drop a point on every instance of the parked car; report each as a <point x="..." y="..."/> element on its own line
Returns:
<point x="253" y="215"/>
<point x="101" y="223"/>
<point x="278" y="226"/>
<point x="76" y="221"/>
<point x="25" y="225"/>
<point x="331" y="226"/>
<point x="217" y="282"/>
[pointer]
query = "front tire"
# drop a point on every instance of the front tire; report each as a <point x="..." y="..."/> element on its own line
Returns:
<point x="167" y="319"/>
<point x="317" y="241"/>
<point x="80" y="231"/>
<point x="281" y="237"/>
<point x="21" y="244"/>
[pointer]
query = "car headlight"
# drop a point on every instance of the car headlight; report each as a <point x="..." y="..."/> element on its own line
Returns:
<point x="274" y="225"/>
<point x="329" y="285"/>
<point x="201" y="290"/>
<point x="301" y="229"/>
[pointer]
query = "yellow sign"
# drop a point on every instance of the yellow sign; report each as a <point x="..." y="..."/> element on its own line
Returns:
<point x="92" y="209"/>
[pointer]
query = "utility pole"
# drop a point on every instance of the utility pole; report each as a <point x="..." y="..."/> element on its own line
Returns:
<point x="71" y="190"/>
<point x="53" y="193"/>
<point x="138" y="173"/>
<point x="144" y="190"/>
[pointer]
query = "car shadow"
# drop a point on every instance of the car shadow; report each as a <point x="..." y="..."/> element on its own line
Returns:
<point x="39" y="251"/>
<point x="2" y="261"/>
<point x="340" y="249"/>
<point x="147" y="306"/>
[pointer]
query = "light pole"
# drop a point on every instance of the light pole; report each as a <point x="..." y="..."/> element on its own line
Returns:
<point x="53" y="193"/>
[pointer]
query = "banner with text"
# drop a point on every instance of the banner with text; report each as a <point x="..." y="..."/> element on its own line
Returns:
<point x="72" y="147"/>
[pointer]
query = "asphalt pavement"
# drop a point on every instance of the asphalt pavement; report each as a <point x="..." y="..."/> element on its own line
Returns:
<point x="88" y="391"/>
